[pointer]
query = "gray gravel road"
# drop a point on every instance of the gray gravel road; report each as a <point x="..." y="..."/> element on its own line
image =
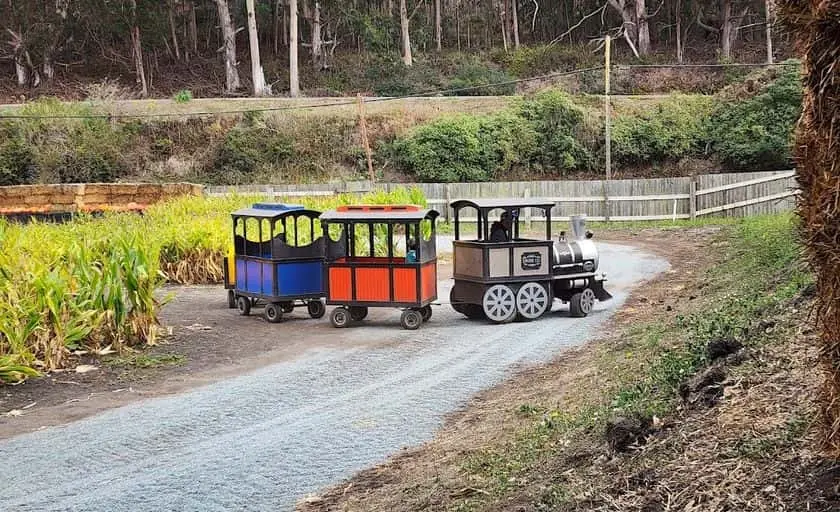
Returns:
<point x="264" y="440"/>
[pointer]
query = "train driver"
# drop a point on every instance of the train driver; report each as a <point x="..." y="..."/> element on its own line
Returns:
<point x="500" y="230"/>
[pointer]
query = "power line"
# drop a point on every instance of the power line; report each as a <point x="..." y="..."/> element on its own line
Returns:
<point x="426" y="94"/>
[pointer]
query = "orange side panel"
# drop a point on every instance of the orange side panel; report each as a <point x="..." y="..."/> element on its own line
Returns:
<point x="372" y="285"/>
<point x="405" y="285"/>
<point x="340" y="284"/>
<point x="429" y="287"/>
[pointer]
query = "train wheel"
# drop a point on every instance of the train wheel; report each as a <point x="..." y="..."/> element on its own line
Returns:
<point x="274" y="313"/>
<point x="532" y="301"/>
<point x="231" y="299"/>
<point x="499" y="304"/>
<point x="358" y="313"/>
<point x="426" y="313"/>
<point x="287" y="307"/>
<point x="244" y="305"/>
<point x="411" y="319"/>
<point x="581" y="303"/>
<point x="340" y="317"/>
<point x="316" y="308"/>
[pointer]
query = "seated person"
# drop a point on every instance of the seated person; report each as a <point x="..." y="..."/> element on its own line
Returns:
<point x="500" y="230"/>
<point x="411" y="253"/>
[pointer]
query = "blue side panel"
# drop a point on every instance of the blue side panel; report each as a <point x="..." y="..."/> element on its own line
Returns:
<point x="267" y="279"/>
<point x="240" y="274"/>
<point x="300" y="278"/>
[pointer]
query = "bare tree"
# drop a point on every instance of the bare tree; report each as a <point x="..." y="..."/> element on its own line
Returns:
<point x="317" y="40"/>
<point x="257" y="75"/>
<point x="405" y="36"/>
<point x="172" y="30"/>
<point x="294" y="77"/>
<point x="515" y="21"/>
<point x="679" y="32"/>
<point x="137" y="51"/>
<point x="769" y="12"/>
<point x="438" y="28"/>
<point x="634" y="24"/>
<point x="228" y="47"/>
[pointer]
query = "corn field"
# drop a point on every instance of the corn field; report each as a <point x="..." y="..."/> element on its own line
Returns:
<point x="93" y="283"/>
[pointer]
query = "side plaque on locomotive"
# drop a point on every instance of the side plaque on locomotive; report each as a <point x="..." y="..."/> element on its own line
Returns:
<point x="531" y="261"/>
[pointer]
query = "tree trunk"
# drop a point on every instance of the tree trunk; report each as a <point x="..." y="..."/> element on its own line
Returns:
<point x="405" y="36"/>
<point x="438" y="28"/>
<point x="503" y="20"/>
<point x="679" y="32"/>
<point x="21" y="71"/>
<point x="726" y="30"/>
<point x="768" y="7"/>
<point x="193" y="29"/>
<point x="317" y="40"/>
<point x="229" y="47"/>
<point x="285" y="23"/>
<point x="137" y="51"/>
<point x="48" y="65"/>
<point x="515" y="15"/>
<point x="643" y="34"/>
<point x="628" y="13"/>
<point x="257" y="76"/>
<point x="294" y="78"/>
<point x="172" y="30"/>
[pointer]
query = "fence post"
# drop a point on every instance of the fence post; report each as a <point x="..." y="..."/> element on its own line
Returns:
<point x="692" y="199"/>
<point x="447" y="196"/>
<point x="527" y="210"/>
<point x="606" y="201"/>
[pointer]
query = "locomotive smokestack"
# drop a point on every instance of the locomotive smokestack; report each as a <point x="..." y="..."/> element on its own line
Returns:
<point x="578" y="227"/>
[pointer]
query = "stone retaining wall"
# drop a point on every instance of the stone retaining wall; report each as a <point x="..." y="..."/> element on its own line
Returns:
<point x="89" y="197"/>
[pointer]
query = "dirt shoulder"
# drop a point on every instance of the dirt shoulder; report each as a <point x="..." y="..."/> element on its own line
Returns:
<point x="528" y="444"/>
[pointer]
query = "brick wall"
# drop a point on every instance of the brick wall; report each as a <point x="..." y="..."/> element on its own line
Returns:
<point x="88" y="197"/>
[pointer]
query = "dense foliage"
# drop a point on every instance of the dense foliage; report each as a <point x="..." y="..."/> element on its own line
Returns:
<point x="542" y="133"/>
<point x="757" y="132"/>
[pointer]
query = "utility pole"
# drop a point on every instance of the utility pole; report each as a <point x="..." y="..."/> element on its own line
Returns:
<point x="607" y="107"/>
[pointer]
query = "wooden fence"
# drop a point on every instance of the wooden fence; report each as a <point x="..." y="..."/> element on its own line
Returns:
<point x="730" y="194"/>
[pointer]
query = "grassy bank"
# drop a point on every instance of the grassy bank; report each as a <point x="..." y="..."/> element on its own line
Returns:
<point x="641" y="383"/>
<point x="94" y="282"/>
<point x="546" y="135"/>
<point x="699" y="395"/>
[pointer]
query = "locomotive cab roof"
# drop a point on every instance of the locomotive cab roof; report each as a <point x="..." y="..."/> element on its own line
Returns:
<point x="504" y="203"/>
<point x="484" y="206"/>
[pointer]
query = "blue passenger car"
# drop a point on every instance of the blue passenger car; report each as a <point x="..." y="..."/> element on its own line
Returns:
<point x="278" y="256"/>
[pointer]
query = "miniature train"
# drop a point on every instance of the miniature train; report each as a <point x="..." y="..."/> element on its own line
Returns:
<point x="357" y="257"/>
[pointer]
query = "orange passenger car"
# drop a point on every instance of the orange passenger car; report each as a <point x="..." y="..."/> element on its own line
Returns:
<point x="380" y="256"/>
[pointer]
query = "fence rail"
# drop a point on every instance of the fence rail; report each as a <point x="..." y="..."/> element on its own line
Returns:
<point x="729" y="194"/>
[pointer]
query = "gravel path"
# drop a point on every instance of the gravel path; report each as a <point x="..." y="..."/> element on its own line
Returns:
<point x="264" y="440"/>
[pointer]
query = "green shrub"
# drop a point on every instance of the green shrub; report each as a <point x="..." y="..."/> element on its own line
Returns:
<point x="465" y="148"/>
<point x="674" y="129"/>
<point x="93" y="153"/>
<point x="17" y="163"/>
<point x="182" y="96"/>
<point x="756" y="133"/>
<point x="446" y="150"/>
<point x="246" y="150"/>
<point x="561" y="132"/>
<point x="472" y="75"/>
<point x="539" y="60"/>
